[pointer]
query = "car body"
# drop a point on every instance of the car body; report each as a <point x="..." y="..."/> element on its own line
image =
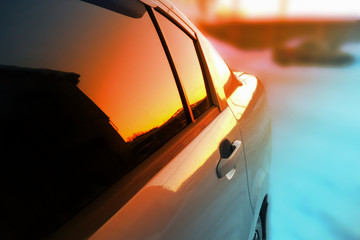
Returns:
<point x="120" y="121"/>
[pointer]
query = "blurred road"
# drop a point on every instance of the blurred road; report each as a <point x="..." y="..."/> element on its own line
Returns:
<point x="315" y="185"/>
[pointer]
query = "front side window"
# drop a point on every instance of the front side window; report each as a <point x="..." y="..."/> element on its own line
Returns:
<point x="90" y="95"/>
<point x="187" y="64"/>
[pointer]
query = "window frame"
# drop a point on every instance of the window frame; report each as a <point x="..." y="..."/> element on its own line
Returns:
<point x="200" y="57"/>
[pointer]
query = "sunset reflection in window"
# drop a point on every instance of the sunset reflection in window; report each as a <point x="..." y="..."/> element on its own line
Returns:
<point x="122" y="66"/>
<point x="137" y="89"/>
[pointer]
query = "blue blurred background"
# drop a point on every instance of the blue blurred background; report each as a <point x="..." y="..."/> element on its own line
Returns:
<point x="307" y="54"/>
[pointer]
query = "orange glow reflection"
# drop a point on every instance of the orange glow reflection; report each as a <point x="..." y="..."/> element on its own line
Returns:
<point x="129" y="81"/>
<point x="127" y="89"/>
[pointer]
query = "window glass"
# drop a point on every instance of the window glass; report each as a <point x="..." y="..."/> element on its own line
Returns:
<point x="66" y="137"/>
<point x="187" y="64"/>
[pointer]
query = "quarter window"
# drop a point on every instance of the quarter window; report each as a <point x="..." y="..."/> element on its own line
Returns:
<point x="223" y="79"/>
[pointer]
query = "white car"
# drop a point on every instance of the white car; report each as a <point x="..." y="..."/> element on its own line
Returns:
<point x="119" y="120"/>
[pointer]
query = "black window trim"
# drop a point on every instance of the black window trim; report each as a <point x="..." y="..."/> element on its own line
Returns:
<point x="201" y="58"/>
<point x="210" y="89"/>
<point x="179" y="85"/>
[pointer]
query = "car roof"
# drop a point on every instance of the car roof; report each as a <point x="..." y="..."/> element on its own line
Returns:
<point x="135" y="8"/>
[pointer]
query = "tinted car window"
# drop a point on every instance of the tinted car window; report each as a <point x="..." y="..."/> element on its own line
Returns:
<point x="93" y="95"/>
<point x="187" y="64"/>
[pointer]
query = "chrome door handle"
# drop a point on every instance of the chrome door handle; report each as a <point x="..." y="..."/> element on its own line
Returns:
<point x="229" y="154"/>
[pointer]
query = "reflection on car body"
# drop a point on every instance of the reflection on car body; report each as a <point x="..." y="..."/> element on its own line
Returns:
<point x="120" y="120"/>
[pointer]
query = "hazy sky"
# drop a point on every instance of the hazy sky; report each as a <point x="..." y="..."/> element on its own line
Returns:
<point x="264" y="8"/>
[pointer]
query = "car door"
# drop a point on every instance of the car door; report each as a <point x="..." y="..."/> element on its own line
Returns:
<point x="186" y="199"/>
<point x="202" y="192"/>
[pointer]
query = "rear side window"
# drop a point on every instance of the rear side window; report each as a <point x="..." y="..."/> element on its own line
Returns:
<point x="183" y="52"/>
<point x="66" y="137"/>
